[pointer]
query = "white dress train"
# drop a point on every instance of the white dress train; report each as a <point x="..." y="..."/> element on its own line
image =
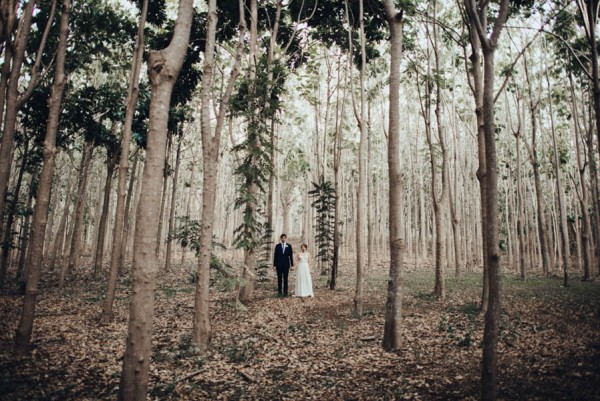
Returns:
<point x="303" y="279"/>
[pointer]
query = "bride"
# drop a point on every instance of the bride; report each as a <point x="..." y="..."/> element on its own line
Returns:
<point x="303" y="279"/>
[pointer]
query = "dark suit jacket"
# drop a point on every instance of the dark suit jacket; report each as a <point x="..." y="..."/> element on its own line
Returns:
<point x="283" y="260"/>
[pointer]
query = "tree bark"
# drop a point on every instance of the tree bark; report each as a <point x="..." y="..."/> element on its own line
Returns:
<point x="172" y="209"/>
<point x="210" y="151"/>
<point x="163" y="69"/>
<point x="247" y="287"/>
<point x="25" y="234"/>
<point x="361" y="213"/>
<point x="111" y="162"/>
<point x="163" y="202"/>
<point x="40" y="214"/>
<point x="59" y="239"/>
<point x="119" y="237"/>
<point x="564" y="231"/>
<point x="7" y="236"/>
<point x="392" y="334"/>
<point x="478" y="19"/>
<point x="533" y="156"/>
<point x="12" y="104"/>
<point x="78" y="213"/>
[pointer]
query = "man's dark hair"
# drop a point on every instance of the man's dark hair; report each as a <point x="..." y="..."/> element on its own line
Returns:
<point x="282" y="235"/>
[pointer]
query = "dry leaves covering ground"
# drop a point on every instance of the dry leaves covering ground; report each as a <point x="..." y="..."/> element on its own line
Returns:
<point x="294" y="349"/>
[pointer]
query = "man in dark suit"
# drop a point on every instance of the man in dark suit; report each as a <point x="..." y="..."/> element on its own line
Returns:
<point x="283" y="259"/>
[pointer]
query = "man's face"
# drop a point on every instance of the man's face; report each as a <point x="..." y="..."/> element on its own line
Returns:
<point x="283" y="239"/>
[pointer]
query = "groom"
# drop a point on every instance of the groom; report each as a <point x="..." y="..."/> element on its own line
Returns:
<point x="282" y="261"/>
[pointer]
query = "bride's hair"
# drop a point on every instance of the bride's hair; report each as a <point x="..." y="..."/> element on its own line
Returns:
<point x="304" y="246"/>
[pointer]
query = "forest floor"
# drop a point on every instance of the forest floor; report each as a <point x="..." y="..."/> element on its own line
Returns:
<point x="300" y="349"/>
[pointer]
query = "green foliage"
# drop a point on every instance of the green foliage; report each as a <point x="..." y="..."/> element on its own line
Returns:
<point x="329" y="23"/>
<point x="323" y="194"/>
<point x="187" y="234"/>
<point x="257" y="102"/>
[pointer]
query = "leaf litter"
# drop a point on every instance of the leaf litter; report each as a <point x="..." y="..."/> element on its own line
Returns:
<point x="313" y="349"/>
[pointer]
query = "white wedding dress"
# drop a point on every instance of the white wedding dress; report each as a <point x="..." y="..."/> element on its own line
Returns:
<point x="303" y="279"/>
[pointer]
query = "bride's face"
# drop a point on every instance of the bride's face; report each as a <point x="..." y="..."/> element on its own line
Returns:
<point x="303" y="248"/>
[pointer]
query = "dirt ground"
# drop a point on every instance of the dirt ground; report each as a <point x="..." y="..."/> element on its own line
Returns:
<point x="302" y="349"/>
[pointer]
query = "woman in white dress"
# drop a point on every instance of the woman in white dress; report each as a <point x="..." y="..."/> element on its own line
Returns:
<point x="303" y="279"/>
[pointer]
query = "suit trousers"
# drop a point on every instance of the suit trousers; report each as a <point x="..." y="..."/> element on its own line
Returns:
<point x="282" y="275"/>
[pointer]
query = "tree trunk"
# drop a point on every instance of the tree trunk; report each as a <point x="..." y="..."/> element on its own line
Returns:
<point x="22" y="267"/>
<point x="392" y="334"/>
<point x="520" y="201"/>
<point x="7" y="236"/>
<point x="361" y="215"/>
<point x="477" y="88"/>
<point x="78" y="213"/>
<point x="586" y="235"/>
<point x="202" y="330"/>
<point x="110" y="168"/>
<point x="62" y="225"/>
<point x="119" y="239"/>
<point x="440" y="221"/>
<point x="533" y="156"/>
<point x="561" y="197"/>
<point x="163" y="69"/>
<point x="247" y="287"/>
<point x="40" y="213"/>
<point x="12" y="102"/>
<point x="163" y="201"/>
<point x="132" y="193"/>
<point x="337" y="157"/>
<point x="173" y="206"/>
<point x="478" y="20"/>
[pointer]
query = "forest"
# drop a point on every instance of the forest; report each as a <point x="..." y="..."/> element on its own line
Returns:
<point x="433" y="165"/>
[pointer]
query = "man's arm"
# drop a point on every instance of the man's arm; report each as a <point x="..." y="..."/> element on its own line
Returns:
<point x="291" y="255"/>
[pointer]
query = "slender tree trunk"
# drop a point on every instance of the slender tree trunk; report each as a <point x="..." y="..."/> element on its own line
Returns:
<point x="110" y="169"/>
<point x="163" y="69"/>
<point x="40" y="213"/>
<point x="361" y="215"/>
<point x="173" y="206"/>
<point x="520" y="201"/>
<point x="22" y="267"/>
<point x="132" y="198"/>
<point x="119" y="239"/>
<point x="202" y="330"/>
<point x="247" y="288"/>
<point x="477" y="16"/>
<point x="8" y="232"/>
<point x="62" y="225"/>
<point x="392" y="334"/>
<point x="337" y="156"/>
<point x="586" y="235"/>
<point x="477" y="88"/>
<point x="163" y="202"/>
<point x="533" y="156"/>
<point x="78" y="213"/>
<point x="12" y="102"/>
<point x="561" y="197"/>
<point x="440" y="220"/>
<point x="271" y="189"/>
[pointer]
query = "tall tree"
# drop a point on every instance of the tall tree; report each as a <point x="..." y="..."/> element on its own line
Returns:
<point x="211" y="140"/>
<point x="131" y="101"/>
<point x="163" y="69"/>
<point x="40" y="214"/>
<point x="392" y="334"/>
<point x="361" y="217"/>
<point x="477" y="12"/>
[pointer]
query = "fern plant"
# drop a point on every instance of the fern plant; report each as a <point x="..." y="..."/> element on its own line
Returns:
<point x="323" y="195"/>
